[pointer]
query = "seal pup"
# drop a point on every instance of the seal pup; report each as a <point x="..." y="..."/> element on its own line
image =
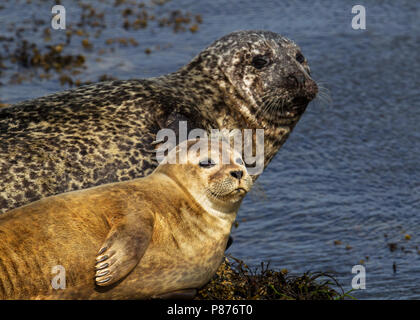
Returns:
<point x="103" y="133"/>
<point x="157" y="236"/>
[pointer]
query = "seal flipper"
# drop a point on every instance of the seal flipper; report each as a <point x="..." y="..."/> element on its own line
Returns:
<point x="123" y="248"/>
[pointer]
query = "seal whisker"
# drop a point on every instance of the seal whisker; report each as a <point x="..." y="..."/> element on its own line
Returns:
<point x="323" y="97"/>
<point x="270" y="105"/>
<point x="265" y="107"/>
<point x="265" y="101"/>
<point x="278" y="106"/>
<point x="275" y="106"/>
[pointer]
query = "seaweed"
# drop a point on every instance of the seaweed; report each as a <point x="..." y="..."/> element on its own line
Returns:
<point x="235" y="280"/>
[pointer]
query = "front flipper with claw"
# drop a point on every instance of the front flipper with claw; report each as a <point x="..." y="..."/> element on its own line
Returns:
<point x="123" y="248"/>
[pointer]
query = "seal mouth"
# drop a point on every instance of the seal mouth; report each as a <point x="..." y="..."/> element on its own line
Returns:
<point x="236" y="192"/>
<point x="300" y="101"/>
<point x="240" y="190"/>
<point x="298" y="106"/>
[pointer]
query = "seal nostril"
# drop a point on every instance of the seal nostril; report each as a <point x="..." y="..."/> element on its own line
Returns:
<point x="297" y="80"/>
<point x="301" y="79"/>
<point x="237" y="174"/>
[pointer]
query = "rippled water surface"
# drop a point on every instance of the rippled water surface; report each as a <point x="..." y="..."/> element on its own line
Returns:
<point x="346" y="183"/>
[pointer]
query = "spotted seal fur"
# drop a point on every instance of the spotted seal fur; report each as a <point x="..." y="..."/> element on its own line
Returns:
<point x="149" y="237"/>
<point x="104" y="132"/>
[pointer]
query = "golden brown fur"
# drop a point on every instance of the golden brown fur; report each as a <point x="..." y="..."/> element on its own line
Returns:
<point x="164" y="231"/>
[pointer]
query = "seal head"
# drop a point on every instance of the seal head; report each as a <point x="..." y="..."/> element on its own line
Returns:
<point x="264" y="72"/>
<point x="216" y="174"/>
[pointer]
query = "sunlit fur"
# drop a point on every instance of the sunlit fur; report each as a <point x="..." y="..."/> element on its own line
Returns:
<point x="128" y="240"/>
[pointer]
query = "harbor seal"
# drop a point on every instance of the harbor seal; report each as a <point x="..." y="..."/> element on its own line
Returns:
<point x="149" y="237"/>
<point x="104" y="132"/>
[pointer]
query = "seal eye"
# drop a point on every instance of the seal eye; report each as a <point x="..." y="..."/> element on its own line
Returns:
<point x="300" y="58"/>
<point x="259" y="61"/>
<point x="208" y="163"/>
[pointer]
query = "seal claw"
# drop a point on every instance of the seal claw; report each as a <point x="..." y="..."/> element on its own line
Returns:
<point x="103" y="280"/>
<point x="101" y="273"/>
<point x="100" y="259"/>
<point x="110" y="264"/>
<point x="102" y="266"/>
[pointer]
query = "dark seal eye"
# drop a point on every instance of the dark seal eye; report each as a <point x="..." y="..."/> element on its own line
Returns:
<point x="208" y="163"/>
<point x="259" y="62"/>
<point x="300" y="58"/>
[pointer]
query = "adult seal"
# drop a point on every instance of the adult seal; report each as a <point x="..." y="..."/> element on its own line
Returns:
<point x="161" y="235"/>
<point x="104" y="132"/>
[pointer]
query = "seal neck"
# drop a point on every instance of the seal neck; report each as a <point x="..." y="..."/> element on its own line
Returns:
<point x="225" y="214"/>
<point x="211" y="93"/>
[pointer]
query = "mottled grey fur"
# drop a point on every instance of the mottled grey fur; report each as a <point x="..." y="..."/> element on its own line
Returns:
<point x="103" y="132"/>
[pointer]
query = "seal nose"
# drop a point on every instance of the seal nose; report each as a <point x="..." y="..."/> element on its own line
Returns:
<point x="237" y="174"/>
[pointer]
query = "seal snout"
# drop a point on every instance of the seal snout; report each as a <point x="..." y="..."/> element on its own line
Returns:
<point x="296" y="80"/>
<point x="306" y="87"/>
<point x="311" y="89"/>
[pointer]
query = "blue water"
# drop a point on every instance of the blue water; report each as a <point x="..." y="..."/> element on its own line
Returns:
<point x="350" y="170"/>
